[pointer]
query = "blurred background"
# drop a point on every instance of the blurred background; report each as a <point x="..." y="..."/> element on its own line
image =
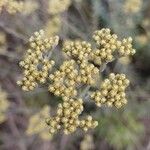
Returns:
<point x="22" y="114"/>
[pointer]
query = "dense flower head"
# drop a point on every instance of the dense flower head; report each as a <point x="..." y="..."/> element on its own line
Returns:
<point x="64" y="80"/>
<point x="11" y="6"/>
<point x="79" y="50"/>
<point x="36" y="63"/>
<point x="88" y="73"/>
<point x="88" y="123"/>
<point x="108" y="46"/>
<point x="67" y="117"/>
<point x="78" y="71"/>
<point x="112" y="91"/>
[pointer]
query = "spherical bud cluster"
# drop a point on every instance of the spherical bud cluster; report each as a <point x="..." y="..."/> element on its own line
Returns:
<point x="67" y="78"/>
<point x="67" y="116"/>
<point x="108" y="44"/>
<point x="36" y="67"/>
<point x="12" y="6"/>
<point x="32" y="75"/>
<point x="112" y="91"/>
<point x="40" y="43"/>
<point x="64" y="80"/>
<point x="58" y="6"/>
<point x="88" y="123"/>
<point x="79" y="50"/>
<point x="88" y="73"/>
<point x="125" y="49"/>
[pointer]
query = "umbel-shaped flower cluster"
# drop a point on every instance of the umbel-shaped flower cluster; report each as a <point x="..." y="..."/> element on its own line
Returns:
<point x="77" y="74"/>
<point x="11" y="6"/>
<point x="112" y="91"/>
<point x="108" y="47"/>
<point x="37" y="65"/>
<point x="68" y="116"/>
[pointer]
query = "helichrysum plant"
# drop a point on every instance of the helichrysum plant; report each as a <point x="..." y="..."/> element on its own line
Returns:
<point x="77" y="75"/>
<point x="4" y="105"/>
<point x="11" y="6"/>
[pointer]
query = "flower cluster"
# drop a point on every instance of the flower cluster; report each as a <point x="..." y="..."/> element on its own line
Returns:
<point x="112" y="91"/>
<point x="36" y="126"/>
<point x="36" y="63"/>
<point x="12" y="6"/>
<point x="58" y="6"/>
<point x="67" y="117"/>
<point x="4" y="104"/>
<point x="79" y="50"/>
<point x="64" y="84"/>
<point x="64" y="80"/>
<point x="80" y="71"/>
<point x="109" y="45"/>
<point x="88" y="123"/>
<point x="88" y="73"/>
